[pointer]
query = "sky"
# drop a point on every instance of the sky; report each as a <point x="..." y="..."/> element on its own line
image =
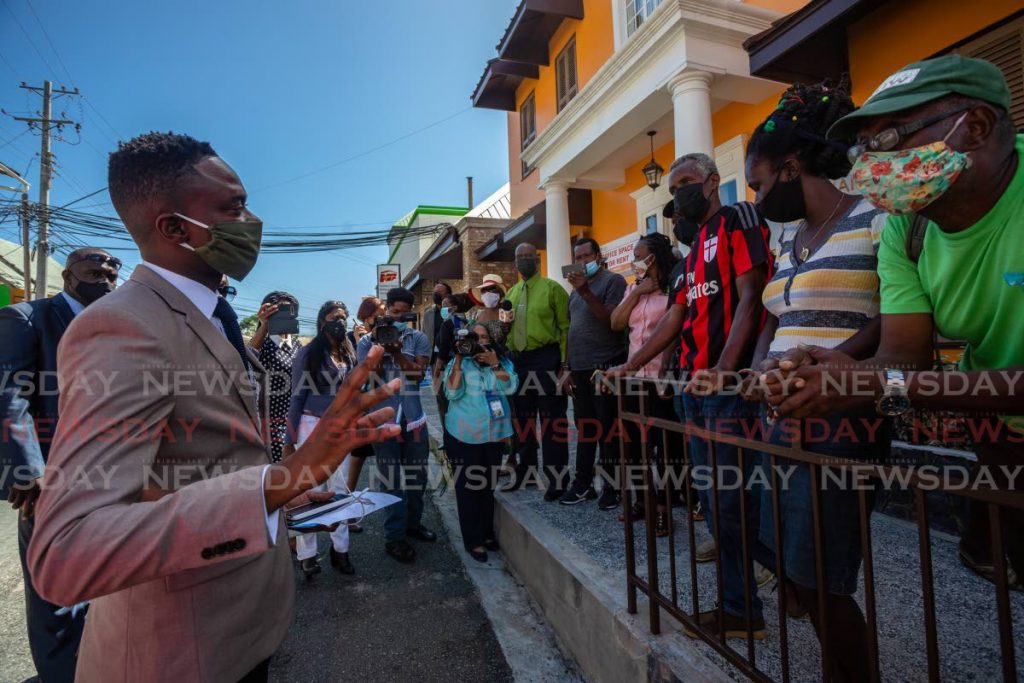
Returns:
<point x="280" y="90"/>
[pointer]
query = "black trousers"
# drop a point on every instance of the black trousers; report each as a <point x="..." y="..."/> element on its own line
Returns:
<point x="53" y="634"/>
<point x="636" y="437"/>
<point x="595" y="414"/>
<point x="476" y="468"/>
<point x="538" y="396"/>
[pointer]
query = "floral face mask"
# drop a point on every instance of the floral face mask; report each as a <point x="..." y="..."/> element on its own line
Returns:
<point x="907" y="180"/>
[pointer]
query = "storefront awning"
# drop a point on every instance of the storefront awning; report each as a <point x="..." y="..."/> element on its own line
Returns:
<point x="808" y="45"/>
<point x="443" y="261"/>
<point x="532" y="227"/>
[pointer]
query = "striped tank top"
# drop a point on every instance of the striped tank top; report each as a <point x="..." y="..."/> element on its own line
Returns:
<point x="833" y="294"/>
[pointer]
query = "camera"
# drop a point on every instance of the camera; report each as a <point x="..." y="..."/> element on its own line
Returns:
<point x="467" y="343"/>
<point x="384" y="330"/>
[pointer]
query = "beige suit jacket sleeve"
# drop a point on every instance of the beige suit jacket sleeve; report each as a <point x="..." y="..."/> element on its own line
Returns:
<point x="98" y="530"/>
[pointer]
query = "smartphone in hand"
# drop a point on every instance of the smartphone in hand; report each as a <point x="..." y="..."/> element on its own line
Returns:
<point x="284" y="321"/>
<point x="570" y="269"/>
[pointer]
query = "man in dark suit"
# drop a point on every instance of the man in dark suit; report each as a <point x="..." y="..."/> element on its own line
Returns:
<point x="28" y="409"/>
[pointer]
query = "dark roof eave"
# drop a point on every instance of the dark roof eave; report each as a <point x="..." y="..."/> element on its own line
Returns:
<point x="807" y="44"/>
<point x="534" y="22"/>
<point x="497" y="86"/>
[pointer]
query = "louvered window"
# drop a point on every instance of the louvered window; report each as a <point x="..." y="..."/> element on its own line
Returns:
<point x="528" y="121"/>
<point x="565" y="73"/>
<point x="1004" y="47"/>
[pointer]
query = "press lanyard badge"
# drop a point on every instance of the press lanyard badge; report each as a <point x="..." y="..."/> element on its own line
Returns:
<point x="495" y="405"/>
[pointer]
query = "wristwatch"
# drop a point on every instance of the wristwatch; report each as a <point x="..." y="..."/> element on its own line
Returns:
<point x="894" y="401"/>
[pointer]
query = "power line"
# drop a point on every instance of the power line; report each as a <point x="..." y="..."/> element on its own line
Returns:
<point x="29" y="38"/>
<point x="364" y="153"/>
<point x="91" y="194"/>
<point x="50" y="42"/>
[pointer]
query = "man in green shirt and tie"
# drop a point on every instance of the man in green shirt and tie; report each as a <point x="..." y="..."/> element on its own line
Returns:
<point x="538" y="341"/>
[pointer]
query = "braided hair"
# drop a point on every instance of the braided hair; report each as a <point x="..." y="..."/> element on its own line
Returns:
<point x="799" y="125"/>
<point x="661" y="247"/>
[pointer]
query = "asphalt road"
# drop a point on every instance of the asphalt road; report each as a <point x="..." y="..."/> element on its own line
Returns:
<point x="388" y="622"/>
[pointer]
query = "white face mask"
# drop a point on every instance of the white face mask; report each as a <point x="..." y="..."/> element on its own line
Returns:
<point x="491" y="299"/>
<point x="640" y="267"/>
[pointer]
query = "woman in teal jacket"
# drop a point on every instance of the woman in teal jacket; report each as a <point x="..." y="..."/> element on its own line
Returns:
<point x="476" y="427"/>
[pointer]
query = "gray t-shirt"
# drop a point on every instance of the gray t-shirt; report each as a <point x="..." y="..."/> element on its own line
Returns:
<point x="592" y="343"/>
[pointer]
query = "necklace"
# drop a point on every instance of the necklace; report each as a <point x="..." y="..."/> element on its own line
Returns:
<point x="805" y="252"/>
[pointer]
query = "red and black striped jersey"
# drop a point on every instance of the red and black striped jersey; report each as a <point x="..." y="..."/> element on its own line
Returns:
<point x="734" y="241"/>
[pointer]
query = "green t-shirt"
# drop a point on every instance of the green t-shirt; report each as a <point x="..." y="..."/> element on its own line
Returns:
<point x="972" y="281"/>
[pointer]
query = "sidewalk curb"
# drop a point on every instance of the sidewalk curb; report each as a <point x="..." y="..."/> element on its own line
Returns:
<point x="531" y="647"/>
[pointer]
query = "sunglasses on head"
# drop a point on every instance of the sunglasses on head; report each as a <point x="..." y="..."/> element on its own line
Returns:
<point x="99" y="259"/>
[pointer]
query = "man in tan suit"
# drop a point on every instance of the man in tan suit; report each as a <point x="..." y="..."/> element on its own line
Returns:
<point x="159" y="503"/>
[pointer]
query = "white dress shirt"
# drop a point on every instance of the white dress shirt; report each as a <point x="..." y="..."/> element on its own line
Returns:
<point x="205" y="299"/>
<point x="76" y="305"/>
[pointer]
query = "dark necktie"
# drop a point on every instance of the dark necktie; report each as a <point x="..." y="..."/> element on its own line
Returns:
<point x="229" y="319"/>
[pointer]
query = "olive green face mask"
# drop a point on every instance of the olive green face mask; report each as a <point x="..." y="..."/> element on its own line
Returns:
<point x="234" y="248"/>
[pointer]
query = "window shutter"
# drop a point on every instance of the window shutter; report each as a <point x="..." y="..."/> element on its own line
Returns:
<point x="565" y="73"/>
<point x="560" y="80"/>
<point x="1006" y="51"/>
<point x="570" y="70"/>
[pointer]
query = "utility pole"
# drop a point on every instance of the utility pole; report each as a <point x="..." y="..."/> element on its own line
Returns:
<point x="469" y="189"/>
<point x="45" y="123"/>
<point x="26" y="252"/>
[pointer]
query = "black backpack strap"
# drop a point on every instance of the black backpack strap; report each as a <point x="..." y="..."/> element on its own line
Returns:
<point x="915" y="237"/>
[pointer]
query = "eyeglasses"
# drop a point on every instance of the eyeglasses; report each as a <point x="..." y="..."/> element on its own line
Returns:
<point x="228" y="292"/>
<point x="890" y="137"/>
<point x="99" y="259"/>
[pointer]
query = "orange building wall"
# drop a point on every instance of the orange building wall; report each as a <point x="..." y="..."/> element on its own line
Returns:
<point x="595" y="43"/>
<point x="523" y="192"/>
<point x="906" y="31"/>
<point x="615" y="210"/>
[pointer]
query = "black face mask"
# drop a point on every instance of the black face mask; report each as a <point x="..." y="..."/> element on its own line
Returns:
<point x="690" y="202"/>
<point x="438" y="299"/>
<point x="336" y="329"/>
<point x="90" y="292"/>
<point x="784" y="202"/>
<point x="685" y="231"/>
<point x="527" y="267"/>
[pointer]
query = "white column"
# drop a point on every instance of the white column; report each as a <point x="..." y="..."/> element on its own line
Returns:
<point x="691" y="108"/>
<point x="556" y="195"/>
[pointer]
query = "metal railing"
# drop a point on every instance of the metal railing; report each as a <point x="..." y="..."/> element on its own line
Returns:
<point x="997" y="502"/>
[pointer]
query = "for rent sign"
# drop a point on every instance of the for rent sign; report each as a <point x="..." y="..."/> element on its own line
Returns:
<point x="618" y="254"/>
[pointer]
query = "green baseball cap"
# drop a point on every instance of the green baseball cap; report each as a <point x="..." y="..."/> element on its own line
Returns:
<point x="925" y="81"/>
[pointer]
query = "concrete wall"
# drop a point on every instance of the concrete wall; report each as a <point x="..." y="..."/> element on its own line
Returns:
<point x="586" y="606"/>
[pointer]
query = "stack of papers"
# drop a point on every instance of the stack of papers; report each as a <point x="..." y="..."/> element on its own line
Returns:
<point x="343" y="508"/>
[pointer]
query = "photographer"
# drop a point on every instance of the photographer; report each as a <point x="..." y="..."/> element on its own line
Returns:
<point x="317" y="374"/>
<point x="277" y="353"/>
<point x="477" y="382"/>
<point x="402" y="460"/>
<point x="453" y="318"/>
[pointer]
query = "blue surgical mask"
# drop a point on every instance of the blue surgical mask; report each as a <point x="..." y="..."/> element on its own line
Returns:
<point x="445" y="313"/>
<point x="591" y="268"/>
<point x="401" y="327"/>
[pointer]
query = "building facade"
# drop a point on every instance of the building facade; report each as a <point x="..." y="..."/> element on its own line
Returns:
<point x="585" y="81"/>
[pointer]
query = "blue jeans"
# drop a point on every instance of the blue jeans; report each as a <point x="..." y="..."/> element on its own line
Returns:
<point x="727" y="414"/>
<point x="402" y="468"/>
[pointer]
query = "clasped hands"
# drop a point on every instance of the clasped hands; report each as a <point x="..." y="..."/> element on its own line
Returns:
<point x="808" y="380"/>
